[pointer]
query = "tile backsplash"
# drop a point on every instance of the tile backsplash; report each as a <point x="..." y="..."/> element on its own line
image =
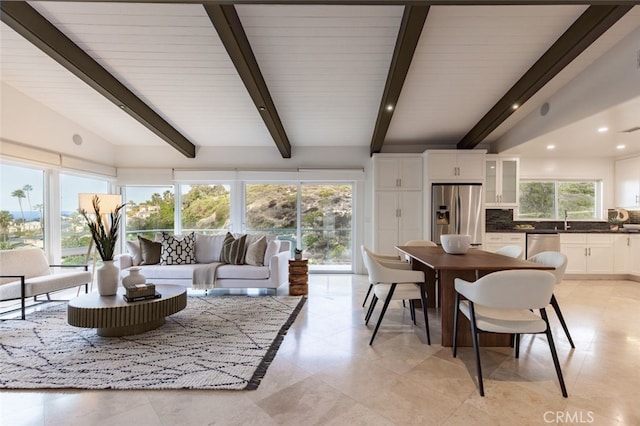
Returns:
<point x="498" y="220"/>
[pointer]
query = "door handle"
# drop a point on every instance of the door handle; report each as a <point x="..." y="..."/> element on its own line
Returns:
<point x="589" y="251"/>
<point x="585" y="251"/>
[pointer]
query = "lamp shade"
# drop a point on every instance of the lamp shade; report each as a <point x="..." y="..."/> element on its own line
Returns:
<point x="108" y="202"/>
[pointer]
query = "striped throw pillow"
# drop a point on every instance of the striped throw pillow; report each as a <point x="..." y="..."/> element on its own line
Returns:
<point x="233" y="249"/>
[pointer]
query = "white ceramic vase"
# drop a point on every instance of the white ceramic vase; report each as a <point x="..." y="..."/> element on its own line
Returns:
<point x="134" y="277"/>
<point x="107" y="276"/>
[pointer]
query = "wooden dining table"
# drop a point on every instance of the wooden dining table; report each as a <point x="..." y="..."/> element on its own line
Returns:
<point x="475" y="263"/>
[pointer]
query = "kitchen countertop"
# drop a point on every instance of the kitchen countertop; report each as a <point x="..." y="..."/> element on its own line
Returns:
<point x="562" y="231"/>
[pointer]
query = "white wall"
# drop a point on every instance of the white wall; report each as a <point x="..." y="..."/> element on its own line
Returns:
<point x="26" y="121"/>
<point x="575" y="168"/>
<point x="611" y="80"/>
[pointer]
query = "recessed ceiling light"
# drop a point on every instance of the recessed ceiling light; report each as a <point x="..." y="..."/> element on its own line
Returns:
<point x="550" y="147"/>
<point x="515" y="106"/>
<point x="389" y="107"/>
<point x="603" y="129"/>
<point x="621" y="147"/>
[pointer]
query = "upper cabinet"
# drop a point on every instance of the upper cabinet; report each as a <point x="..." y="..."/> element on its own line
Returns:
<point x="453" y="165"/>
<point x="501" y="184"/>
<point x="628" y="182"/>
<point x="397" y="172"/>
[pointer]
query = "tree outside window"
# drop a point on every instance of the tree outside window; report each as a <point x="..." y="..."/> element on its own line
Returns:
<point x="550" y="200"/>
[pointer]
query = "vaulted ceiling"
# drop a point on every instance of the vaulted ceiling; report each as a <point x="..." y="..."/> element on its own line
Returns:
<point x="391" y="75"/>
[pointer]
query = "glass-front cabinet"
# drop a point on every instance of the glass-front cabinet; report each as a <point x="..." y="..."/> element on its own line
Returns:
<point x="501" y="184"/>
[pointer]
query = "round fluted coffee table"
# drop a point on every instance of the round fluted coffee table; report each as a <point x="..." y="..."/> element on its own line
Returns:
<point x="113" y="316"/>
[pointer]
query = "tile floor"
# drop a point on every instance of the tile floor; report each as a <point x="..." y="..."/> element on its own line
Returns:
<point x="326" y="373"/>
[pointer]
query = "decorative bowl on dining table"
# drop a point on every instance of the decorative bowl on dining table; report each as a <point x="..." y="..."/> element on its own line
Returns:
<point x="455" y="243"/>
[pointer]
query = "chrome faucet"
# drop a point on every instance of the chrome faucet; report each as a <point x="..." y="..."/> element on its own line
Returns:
<point x="566" y="225"/>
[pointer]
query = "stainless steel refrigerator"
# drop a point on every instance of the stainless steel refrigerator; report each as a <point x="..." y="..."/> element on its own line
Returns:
<point x="456" y="209"/>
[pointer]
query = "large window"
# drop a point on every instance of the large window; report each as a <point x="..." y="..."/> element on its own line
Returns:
<point x="553" y="200"/>
<point x="75" y="235"/>
<point x="315" y="217"/>
<point x="272" y="208"/>
<point x="326" y="223"/>
<point x="149" y="210"/>
<point x="22" y="207"/>
<point x="205" y="208"/>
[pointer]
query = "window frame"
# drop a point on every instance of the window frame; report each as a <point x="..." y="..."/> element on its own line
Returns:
<point x="598" y="200"/>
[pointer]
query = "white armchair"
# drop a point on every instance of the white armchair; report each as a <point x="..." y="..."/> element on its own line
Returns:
<point x="26" y="273"/>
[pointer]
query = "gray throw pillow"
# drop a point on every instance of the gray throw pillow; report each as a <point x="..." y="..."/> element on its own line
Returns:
<point x="255" y="252"/>
<point x="149" y="251"/>
<point x="233" y="249"/>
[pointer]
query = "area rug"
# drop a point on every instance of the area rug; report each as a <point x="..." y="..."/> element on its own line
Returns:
<point x="216" y="342"/>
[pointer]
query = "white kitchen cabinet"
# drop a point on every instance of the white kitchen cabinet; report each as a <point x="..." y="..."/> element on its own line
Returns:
<point x="501" y="181"/>
<point x="588" y="253"/>
<point x="634" y="254"/>
<point x="494" y="241"/>
<point x="628" y="182"/>
<point x="621" y="253"/>
<point x="454" y="165"/>
<point x="394" y="172"/>
<point x="398" y="219"/>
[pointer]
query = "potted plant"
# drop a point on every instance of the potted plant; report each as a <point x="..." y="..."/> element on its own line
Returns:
<point x="298" y="254"/>
<point x="104" y="232"/>
<point x="614" y="223"/>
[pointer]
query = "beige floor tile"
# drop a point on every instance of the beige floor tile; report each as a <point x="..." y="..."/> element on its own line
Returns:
<point x="326" y="372"/>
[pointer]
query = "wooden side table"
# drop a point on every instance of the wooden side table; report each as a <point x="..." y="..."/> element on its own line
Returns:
<point x="298" y="277"/>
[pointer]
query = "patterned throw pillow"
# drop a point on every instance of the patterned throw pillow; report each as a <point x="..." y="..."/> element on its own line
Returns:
<point x="177" y="251"/>
<point x="233" y="249"/>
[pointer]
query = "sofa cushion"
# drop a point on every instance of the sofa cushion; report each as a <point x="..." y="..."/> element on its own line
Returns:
<point x="208" y="248"/>
<point x="233" y="249"/>
<point x="242" y="272"/>
<point x="133" y="248"/>
<point x="178" y="251"/>
<point x="30" y="262"/>
<point x="273" y="248"/>
<point x="177" y="272"/>
<point x="255" y="252"/>
<point x="150" y="251"/>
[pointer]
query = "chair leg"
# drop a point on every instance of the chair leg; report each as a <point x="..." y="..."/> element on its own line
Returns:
<point x="384" y="310"/>
<point x="476" y="348"/>
<point x="554" y="354"/>
<point x="556" y="308"/>
<point x="517" y="345"/>
<point x="367" y="296"/>
<point x="412" y="308"/>
<point x="423" y="299"/>
<point x="456" y="307"/>
<point x="372" y="306"/>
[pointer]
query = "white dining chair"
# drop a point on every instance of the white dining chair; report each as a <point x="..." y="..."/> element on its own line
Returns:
<point x="510" y="251"/>
<point x="387" y="259"/>
<point x="559" y="262"/>
<point x="502" y="302"/>
<point x="390" y="283"/>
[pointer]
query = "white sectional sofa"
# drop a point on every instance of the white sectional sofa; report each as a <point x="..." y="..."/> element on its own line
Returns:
<point x="210" y="273"/>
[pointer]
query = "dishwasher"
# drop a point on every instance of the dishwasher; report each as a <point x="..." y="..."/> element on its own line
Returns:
<point x="539" y="242"/>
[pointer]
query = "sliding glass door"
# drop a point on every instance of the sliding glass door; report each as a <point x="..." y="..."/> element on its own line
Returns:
<point x="316" y="217"/>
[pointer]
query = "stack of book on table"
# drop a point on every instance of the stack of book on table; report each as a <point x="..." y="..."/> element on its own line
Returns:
<point x="138" y="292"/>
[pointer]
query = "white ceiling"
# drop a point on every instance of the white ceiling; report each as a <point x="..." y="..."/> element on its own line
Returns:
<point x="325" y="67"/>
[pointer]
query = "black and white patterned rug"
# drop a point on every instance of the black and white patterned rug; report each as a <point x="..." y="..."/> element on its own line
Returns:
<point x="216" y="342"/>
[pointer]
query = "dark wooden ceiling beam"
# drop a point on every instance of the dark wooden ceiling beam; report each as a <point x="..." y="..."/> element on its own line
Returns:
<point x="228" y="25"/>
<point x="584" y="31"/>
<point x="411" y="26"/>
<point x="35" y="28"/>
